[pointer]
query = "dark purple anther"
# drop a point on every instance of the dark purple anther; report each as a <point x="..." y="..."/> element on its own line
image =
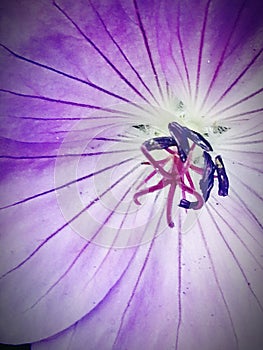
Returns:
<point x="207" y="181"/>
<point x="223" y="183"/>
<point x="199" y="140"/>
<point x="159" y="143"/>
<point x="184" y="203"/>
<point x="179" y="133"/>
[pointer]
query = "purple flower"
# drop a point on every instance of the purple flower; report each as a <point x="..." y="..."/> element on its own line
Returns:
<point x="84" y="84"/>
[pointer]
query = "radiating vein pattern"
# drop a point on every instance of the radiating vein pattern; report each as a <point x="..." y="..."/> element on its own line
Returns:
<point x="71" y="163"/>
<point x="122" y="77"/>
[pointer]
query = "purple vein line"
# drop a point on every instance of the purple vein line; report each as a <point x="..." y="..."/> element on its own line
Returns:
<point x="233" y="116"/>
<point x="244" y="165"/>
<point x="122" y="52"/>
<point x="217" y="283"/>
<point x="221" y="60"/>
<point x="176" y="66"/>
<point x="244" y="136"/>
<point x="248" y="66"/>
<point x="71" y="103"/>
<point x="256" y="129"/>
<point x="115" y="285"/>
<point x="237" y="103"/>
<point x="200" y="54"/>
<point x="120" y="227"/>
<point x="66" y="184"/>
<point x="111" y="288"/>
<point x="235" y="259"/>
<point x="147" y="46"/>
<point x="64" y="74"/>
<point x="167" y="89"/>
<point x="60" y="229"/>
<point x="84" y="248"/>
<point x="179" y="290"/>
<point x="255" y="193"/>
<point x="237" y="236"/>
<point x="73" y="330"/>
<point x="245" y="143"/>
<point x="121" y="76"/>
<point x="66" y="155"/>
<point x="138" y="280"/>
<point x="241" y="225"/>
<point x="104" y="261"/>
<point x="182" y="50"/>
<point x="70" y="118"/>
<point x="255" y="153"/>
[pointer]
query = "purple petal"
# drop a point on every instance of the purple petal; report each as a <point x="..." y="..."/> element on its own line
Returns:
<point x="75" y="80"/>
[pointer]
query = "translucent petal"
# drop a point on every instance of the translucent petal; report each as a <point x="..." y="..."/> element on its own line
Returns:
<point x="83" y="85"/>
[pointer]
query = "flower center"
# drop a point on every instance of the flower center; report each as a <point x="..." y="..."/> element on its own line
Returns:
<point x="178" y="167"/>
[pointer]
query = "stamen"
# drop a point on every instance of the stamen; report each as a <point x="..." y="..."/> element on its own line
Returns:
<point x="207" y="181"/>
<point x="181" y="163"/>
<point x="178" y="133"/>
<point x="223" y="183"/>
<point x="199" y="140"/>
<point x="184" y="203"/>
<point x="200" y="201"/>
<point x="159" y="143"/>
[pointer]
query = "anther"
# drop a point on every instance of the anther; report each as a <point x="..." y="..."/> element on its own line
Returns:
<point x="223" y="183"/>
<point x="184" y="203"/>
<point x="180" y="135"/>
<point x="199" y="140"/>
<point x="158" y="143"/>
<point x="207" y="181"/>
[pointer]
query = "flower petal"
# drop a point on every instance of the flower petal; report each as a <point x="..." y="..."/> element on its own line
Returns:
<point x="121" y="77"/>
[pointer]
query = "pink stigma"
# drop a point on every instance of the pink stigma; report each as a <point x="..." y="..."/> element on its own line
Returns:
<point x="175" y="173"/>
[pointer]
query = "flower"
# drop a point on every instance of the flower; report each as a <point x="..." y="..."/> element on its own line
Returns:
<point x="83" y="85"/>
